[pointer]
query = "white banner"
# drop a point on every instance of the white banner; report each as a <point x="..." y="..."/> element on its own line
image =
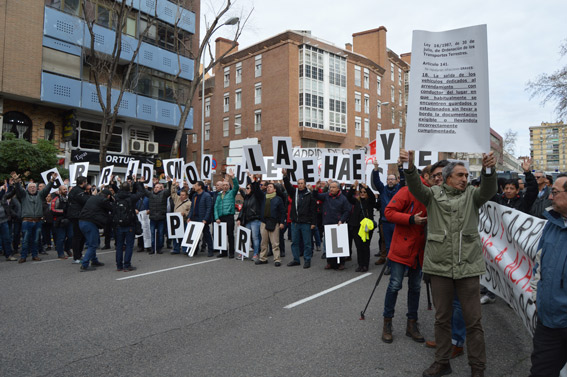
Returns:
<point x="146" y="229"/>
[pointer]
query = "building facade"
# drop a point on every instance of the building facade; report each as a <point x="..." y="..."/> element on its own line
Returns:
<point x="547" y="146"/>
<point x="47" y="89"/>
<point x="296" y="85"/>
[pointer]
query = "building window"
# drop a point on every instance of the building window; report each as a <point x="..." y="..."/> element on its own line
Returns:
<point x="194" y="138"/>
<point x="258" y="66"/>
<point x="208" y="107"/>
<point x="238" y="73"/>
<point x="194" y="154"/>
<point x="225" y="127"/>
<point x="207" y="131"/>
<point x="67" y="6"/>
<point x="399" y="76"/>
<point x="367" y="104"/>
<point x="392" y="72"/>
<point x="366" y="78"/>
<point x="257" y="121"/>
<point x="19" y="124"/>
<point x="258" y="94"/>
<point x="366" y="128"/>
<point x="357" y="102"/>
<point x="393" y="115"/>
<point x="226" y="102"/>
<point x="400" y="96"/>
<point x="88" y="137"/>
<point x="238" y="125"/>
<point x="357" y="126"/>
<point x="226" y="77"/>
<point x="61" y="63"/>
<point x="356" y="75"/>
<point x="392" y="94"/>
<point x="309" y="143"/>
<point x="238" y="99"/>
<point x="379" y="127"/>
<point x="379" y="85"/>
<point x="379" y="109"/>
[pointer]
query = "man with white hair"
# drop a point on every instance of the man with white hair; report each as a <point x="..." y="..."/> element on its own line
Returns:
<point x="32" y="214"/>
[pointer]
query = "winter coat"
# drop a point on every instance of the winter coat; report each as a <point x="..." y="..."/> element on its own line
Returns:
<point x="158" y="203"/>
<point x="179" y="206"/>
<point x="453" y="247"/>
<point x="541" y="203"/>
<point x="201" y="207"/>
<point x="133" y="198"/>
<point x="277" y="208"/>
<point x="303" y="207"/>
<point x="250" y="208"/>
<point x="58" y="207"/>
<point x="97" y="211"/>
<point x="551" y="271"/>
<point x="386" y="193"/>
<point x="225" y="205"/>
<point x="335" y="208"/>
<point x="361" y="209"/>
<point x="32" y="205"/>
<point x="523" y="201"/>
<point x="77" y="198"/>
<point x="408" y="240"/>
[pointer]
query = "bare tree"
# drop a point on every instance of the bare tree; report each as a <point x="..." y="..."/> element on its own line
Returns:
<point x="110" y="71"/>
<point x="553" y="87"/>
<point x="510" y="138"/>
<point x="185" y="94"/>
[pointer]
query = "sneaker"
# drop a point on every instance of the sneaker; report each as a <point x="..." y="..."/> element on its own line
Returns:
<point x="97" y="263"/>
<point x="11" y="259"/>
<point x="88" y="268"/>
<point x="76" y="261"/>
<point x="486" y="299"/>
<point x="293" y="263"/>
<point x="240" y="257"/>
<point x="255" y="258"/>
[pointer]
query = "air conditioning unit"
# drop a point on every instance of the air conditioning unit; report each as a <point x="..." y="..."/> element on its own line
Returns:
<point x="137" y="146"/>
<point x="151" y="147"/>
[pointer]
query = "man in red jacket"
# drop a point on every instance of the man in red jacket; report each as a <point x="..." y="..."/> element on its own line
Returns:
<point x="406" y="252"/>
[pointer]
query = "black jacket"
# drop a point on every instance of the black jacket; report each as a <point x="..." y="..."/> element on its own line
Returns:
<point x="77" y="198"/>
<point x="250" y="209"/>
<point x="158" y="203"/>
<point x="523" y="201"/>
<point x="124" y="195"/>
<point x="97" y="211"/>
<point x="363" y="208"/>
<point x="303" y="204"/>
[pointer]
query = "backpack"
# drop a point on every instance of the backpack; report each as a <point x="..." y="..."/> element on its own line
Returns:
<point x="122" y="213"/>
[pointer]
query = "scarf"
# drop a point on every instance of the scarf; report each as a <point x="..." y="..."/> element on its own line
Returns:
<point x="267" y="208"/>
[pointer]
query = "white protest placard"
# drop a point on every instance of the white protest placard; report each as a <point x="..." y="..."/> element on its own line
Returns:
<point x="272" y="173"/>
<point x="192" y="235"/>
<point x="146" y="229"/>
<point x="46" y="175"/>
<point x="309" y="170"/>
<point x="78" y="169"/>
<point x="370" y="180"/>
<point x="241" y="173"/>
<point x="243" y="244"/>
<point x="254" y="159"/>
<point x="147" y="173"/>
<point x="191" y="175"/>
<point x="425" y="158"/>
<point x="173" y="168"/>
<point x="295" y="173"/>
<point x="132" y="169"/>
<point x="207" y="167"/>
<point x="344" y="170"/>
<point x="105" y="175"/>
<point x="388" y="146"/>
<point x="329" y="166"/>
<point x="220" y="236"/>
<point x="283" y="153"/>
<point x="448" y="95"/>
<point x="358" y="165"/>
<point x="175" y="228"/>
<point x="336" y="240"/>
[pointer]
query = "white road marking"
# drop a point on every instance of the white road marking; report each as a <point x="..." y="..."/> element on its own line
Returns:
<point x="313" y="297"/>
<point x="167" y="269"/>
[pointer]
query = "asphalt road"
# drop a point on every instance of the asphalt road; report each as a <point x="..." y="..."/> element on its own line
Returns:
<point x="219" y="317"/>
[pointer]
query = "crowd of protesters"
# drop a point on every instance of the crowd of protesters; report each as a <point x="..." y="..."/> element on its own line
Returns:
<point x="417" y="226"/>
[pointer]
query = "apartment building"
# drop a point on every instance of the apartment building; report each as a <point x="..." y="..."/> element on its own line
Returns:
<point x="294" y="84"/>
<point x="547" y="146"/>
<point x="47" y="90"/>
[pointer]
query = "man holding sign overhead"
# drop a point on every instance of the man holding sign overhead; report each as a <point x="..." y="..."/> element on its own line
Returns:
<point x="453" y="254"/>
<point x="224" y="210"/>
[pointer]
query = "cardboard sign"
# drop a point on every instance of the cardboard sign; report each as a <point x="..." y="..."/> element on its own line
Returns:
<point x="272" y="172"/>
<point x="370" y="181"/>
<point x="358" y="165"/>
<point x="425" y="158"/>
<point x="344" y="171"/>
<point x="241" y="174"/>
<point x="329" y="166"/>
<point x="173" y="168"/>
<point x="46" y="175"/>
<point x="254" y="159"/>
<point x="191" y="236"/>
<point x="190" y="173"/>
<point x="283" y="153"/>
<point x="132" y="169"/>
<point x="243" y="244"/>
<point x="207" y="167"/>
<point x="296" y="172"/>
<point x="175" y="228"/>
<point x="336" y="240"/>
<point x="147" y="174"/>
<point x="79" y="169"/>
<point x="388" y="146"/>
<point x="106" y="175"/>
<point x="220" y="236"/>
<point x="309" y="170"/>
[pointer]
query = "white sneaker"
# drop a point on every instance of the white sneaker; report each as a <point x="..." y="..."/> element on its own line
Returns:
<point x="76" y="261"/>
<point x="486" y="300"/>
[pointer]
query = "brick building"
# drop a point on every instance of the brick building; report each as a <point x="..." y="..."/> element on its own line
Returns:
<point x="294" y="84"/>
<point x="44" y="77"/>
<point x="547" y="146"/>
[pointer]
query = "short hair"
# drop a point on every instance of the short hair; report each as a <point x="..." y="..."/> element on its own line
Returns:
<point x="549" y="178"/>
<point x="301" y="179"/>
<point x="200" y="184"/>
<point x="439" y="164"/>
<point x="563" y="175"/>
<point x="335" y="182"/>
<point x="81" y="180"/>
<point x="426" y="170"/>
<point x="125" y="186"/>
<point x="513" y="182"/>
<point x="273" y="185"/>
<point x="448" y="170"/>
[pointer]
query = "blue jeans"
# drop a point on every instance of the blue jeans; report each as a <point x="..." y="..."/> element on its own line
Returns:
<point x="124" y="246"/>
<point x="90" y="231"/>
<point x="31" y="232"/>
<point x="6" y="239"/>
<point x="63" y="238"/>
<point x="301" y="233"/>
<point x="459" y="329"/>
<point x="414" y="287"/>
<point x="159" y="226"/>
<point x="316" y="236"/>
<point x="254" y="226"/>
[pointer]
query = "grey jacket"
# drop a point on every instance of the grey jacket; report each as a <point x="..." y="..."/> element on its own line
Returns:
<point x="32" y="205"/>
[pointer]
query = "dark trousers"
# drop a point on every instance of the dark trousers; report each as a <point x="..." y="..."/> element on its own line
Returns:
<point x="550" y="351"/>
<point x="47" y="233"/>
<point x="229" y="220"/>
<point x="363" y="250"/>
<point x="16" y="234"/>
<point x="78" y="240"/>
<point x="468" y="291"/>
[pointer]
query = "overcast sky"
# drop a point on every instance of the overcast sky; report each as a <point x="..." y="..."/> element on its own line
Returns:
<point x="524" y="38"/>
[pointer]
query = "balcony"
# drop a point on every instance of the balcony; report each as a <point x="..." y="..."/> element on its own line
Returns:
<point x="74" y="93"/>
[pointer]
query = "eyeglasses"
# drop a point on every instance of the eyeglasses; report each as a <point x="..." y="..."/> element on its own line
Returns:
<point x="556" y="192"/>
